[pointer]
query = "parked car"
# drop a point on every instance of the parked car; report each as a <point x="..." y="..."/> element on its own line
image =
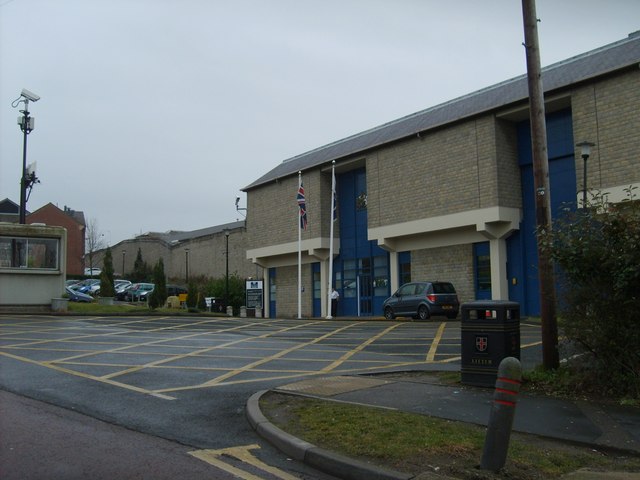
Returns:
<point x="422" y="300"/>
<point x="92" y="272"/>
<point x="121" y="291"/>
<point x="76" y="296"/>
<point x="84" y="285"/>
<point x="118" y="285"/>
<point x="138" y="292"/>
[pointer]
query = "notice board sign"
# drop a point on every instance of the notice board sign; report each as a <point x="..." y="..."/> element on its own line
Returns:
<point x="254" y="293"/>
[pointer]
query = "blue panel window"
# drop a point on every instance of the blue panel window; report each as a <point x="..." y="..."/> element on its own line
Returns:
<point x="404" y="267"/>
<point x="482" y="270"/>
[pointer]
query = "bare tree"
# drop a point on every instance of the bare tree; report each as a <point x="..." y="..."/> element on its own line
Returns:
<point x="95" y="241"/>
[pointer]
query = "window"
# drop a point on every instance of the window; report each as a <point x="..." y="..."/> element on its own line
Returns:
<point x="29" y="253"/>
<point x="349" y="281"/>
<point x="381" y="276"/>
<point x="404" y="263"/>
<point x="408" y="289"/>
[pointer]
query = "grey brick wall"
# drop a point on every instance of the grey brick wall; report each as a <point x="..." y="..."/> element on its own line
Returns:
<point x="272" y="210"/>
<point x="453" y="169"/>
<point x="608" y="114"/>
<point x="206" y="256"/>
<point x="451" y="264"/>
<point x="287" y="292"/>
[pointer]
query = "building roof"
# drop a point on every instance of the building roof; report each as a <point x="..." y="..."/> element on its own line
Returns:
<point x="606" y="59"/>
<point x="9" y="211"/>
<point x="173" y="236"/>
<point x="76" y="215"/>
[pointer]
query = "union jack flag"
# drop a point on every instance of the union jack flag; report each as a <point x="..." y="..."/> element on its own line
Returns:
<point x="303" y="207"/>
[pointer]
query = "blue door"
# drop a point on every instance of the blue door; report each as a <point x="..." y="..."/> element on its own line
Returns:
<point x="522" y="250"/>
<point x="317" y="290"/>
<point x="482" y="270"/>
<point x="272" y="293"/>
<point x="362" y="268"/>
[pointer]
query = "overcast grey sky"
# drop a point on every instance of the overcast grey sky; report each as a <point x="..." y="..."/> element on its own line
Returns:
<point x="155" y="113"/>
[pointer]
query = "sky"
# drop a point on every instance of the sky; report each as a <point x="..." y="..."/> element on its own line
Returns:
<point x="154" y="114"/>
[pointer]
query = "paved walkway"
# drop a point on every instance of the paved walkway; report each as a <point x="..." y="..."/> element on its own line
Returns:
<point x="592" y="424"/>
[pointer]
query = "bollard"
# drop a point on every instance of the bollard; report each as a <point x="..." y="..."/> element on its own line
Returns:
<point x="229" y="311"/>
<point x="496" y="442"/>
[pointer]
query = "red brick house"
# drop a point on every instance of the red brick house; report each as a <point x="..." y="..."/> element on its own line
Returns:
<point x="74" y="222"/>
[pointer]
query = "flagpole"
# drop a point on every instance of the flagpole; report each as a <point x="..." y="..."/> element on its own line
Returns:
<point x="299" y="254"/>
<point x="333" y="206"/>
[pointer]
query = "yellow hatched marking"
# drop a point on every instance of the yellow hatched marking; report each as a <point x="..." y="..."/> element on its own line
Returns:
<point x="96" y="335"/>
<point x="431" y="355"/>
<point x="91" y="377"/>
<point x="200" y="351"/>
<point x="358" y="349"/>
<point x="243" y="454"/>
<point x="252" y="365"/>
<point x="146" y="344"/>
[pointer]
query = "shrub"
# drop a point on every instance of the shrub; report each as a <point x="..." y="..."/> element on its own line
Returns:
<point x="596" y="250"/>
<point x="106" y="276"/>
<point x="141" y="270"/>
<point x="159" y="294"/>
<point x="192" y="295"/>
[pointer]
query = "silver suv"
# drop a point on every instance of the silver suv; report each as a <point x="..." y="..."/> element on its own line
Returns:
<point x="422" y="300"/>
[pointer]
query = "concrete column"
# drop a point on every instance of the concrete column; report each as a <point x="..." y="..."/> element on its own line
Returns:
<point x="393" y="271"/>
<point x="267" y="291"/>
<point x="499" y="281"/>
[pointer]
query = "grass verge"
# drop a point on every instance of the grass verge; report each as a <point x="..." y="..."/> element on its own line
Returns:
<point x="416" y="443"/>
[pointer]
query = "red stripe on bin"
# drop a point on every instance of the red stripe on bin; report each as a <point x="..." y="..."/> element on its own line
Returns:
<point x="504" y="402"/>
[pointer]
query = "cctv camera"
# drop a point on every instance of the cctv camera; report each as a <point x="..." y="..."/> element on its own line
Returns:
<point x="30" y="95"/>
<point x="237" y="201"/>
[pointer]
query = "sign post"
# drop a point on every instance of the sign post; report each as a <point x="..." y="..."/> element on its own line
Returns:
<point x="255" y="294"/>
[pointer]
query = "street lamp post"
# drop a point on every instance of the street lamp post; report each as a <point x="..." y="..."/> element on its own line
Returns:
<point x="585" y="152"/>
<point x="226" y="288"/>
<point x="186" y="263"/>
<point x="28" y="177"/>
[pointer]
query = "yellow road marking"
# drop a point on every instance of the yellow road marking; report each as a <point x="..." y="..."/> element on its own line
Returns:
<point x="243" y="454"/>
<point x="250" y="366"/>
<point x="200" y="351"/>
<point x="431" y="355"/>
<point x="91" y="377"/>
<point x="359" y="348"/>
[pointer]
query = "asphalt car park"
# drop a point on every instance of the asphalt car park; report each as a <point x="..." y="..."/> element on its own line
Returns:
<point x="187" y="379"/>
<point x="164" y="355"/>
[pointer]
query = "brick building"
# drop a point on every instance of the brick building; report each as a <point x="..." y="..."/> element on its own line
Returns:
<point x="73" y="221"/>
<point x="446" y="193"/>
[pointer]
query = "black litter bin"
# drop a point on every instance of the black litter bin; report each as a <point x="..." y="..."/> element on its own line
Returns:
<point x="217" y="305"/>
<point x="490" y="332"/>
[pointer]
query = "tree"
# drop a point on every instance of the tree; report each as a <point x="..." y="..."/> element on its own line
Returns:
<point x="141" y="271"/>
<point x="159" y="294"/>
<point x="106" y="276"/>
<point x="217" y="288"/>
<point x="192" y="295"/>
<point x="94" y="241"/>
<point x="596" y="248"/>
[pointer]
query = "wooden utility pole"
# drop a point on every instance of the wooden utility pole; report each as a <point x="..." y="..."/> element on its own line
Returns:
<point x="550" y="357"/>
